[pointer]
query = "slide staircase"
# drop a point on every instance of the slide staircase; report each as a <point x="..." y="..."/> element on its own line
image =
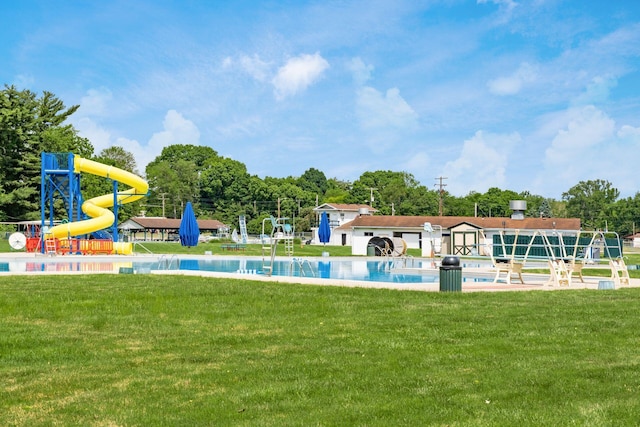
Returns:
<point x="50" y="247"/>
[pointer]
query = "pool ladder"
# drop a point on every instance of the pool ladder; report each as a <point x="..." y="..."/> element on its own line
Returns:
<point x="301" y="263"/>
<point x="392" y="263"/>
<point x="165" y="262"/>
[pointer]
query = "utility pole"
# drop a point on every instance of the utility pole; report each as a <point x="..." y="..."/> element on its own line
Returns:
<point x="440" y="192"/>
<point x="163" y="194"/>
<point x="371" y="198"/>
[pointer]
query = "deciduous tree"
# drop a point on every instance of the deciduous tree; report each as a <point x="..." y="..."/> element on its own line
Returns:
<point x="591" y="201"/>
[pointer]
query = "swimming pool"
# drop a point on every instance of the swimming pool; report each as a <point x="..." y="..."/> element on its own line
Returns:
<point x="384" y="270"/>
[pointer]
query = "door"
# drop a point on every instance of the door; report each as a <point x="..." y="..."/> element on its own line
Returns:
<point x="464" y="242"/>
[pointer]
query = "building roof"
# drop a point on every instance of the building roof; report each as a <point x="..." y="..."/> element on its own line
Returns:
<point x="355" y="207"/>
<point x="447" y="222"/>
<point x="169" y="223"/>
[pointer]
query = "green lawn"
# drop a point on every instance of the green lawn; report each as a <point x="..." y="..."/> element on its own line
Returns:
<point x="163" y="350"/>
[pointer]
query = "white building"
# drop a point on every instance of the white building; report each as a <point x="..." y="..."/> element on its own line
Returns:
<point x="453" y="235"/>
<point x="633" y="240"/>
<point x="339" y="215"/>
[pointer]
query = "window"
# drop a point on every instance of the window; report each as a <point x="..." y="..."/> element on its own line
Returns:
<point x="368" y="233"/>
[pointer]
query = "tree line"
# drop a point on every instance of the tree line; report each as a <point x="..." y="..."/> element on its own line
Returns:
<point x="222" y="188"/>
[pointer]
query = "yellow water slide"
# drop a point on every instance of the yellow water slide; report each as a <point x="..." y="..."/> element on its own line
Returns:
<point x="96" y="208"/>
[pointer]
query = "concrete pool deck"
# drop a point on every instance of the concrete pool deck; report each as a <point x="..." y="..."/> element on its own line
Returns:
<point x="533" y="281"/>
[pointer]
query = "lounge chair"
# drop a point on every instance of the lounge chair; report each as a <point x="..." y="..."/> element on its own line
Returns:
<point x="506" y="269"/>
<point x="560" y="274"/>
<point x="619" y="272"/>
<point x="576" y="268"/>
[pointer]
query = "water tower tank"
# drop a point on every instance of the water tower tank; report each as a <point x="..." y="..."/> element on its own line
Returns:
<point x="363" y="211"/>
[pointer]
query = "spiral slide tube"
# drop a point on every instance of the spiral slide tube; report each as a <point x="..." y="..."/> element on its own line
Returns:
<point x="96" y="208"/>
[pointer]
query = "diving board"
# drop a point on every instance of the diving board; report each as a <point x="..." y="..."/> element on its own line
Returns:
<point x="566" y="252"/>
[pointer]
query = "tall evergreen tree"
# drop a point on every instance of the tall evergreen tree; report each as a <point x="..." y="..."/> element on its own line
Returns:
<point x="25" y="123"/>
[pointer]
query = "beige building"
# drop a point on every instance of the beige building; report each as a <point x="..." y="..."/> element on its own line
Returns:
<point x="455" y="235"/>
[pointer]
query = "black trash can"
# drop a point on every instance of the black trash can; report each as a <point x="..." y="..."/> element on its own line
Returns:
<point x="450" y="274"/>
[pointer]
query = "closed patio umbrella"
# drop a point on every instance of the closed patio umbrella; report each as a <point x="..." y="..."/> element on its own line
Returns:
<point x="189" y="231"/>
<point x="324" y="231"/>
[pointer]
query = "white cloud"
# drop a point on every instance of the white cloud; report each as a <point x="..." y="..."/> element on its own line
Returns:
<point x="255" y="67"/>
<point x="482" y="163"/>
<point x="622" y="42"/>
<point x="596" y="92"/>
<point x="246" y="126"/>
<point x="510" y="4"/>
<point x="99" y="137"/>
<point x="384" y="117"/>
<point x="588" y="147"/>
<point x="298" y="74"/>
<point x="177" y="130"/>
<point x="569" y="149"/>
<point x="252" y="65"/>
<point x="361" y="71"/>
<point x="140" y="154"/>
<point x="389" y="110"/>
<point x="417" y="163"/>
<point x="511" y="85"/>
<point x="95" y="102"/>
<point x="629" y="133"/>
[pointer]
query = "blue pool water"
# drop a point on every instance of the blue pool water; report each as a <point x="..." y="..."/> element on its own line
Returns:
<point x="354" y="269"/>
<point x="361" y="270"/>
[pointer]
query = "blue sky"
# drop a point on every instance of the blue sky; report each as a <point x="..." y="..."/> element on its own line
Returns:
<point x="522" y="95"/>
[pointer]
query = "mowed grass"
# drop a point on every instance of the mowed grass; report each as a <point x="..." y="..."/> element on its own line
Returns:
<point x="129" y="350"/>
